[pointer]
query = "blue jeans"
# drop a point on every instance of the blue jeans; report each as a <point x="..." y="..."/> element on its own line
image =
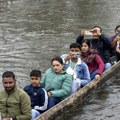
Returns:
<point x="107" y="66"/>
<point x="93" y="74"/>
<point x="52" y="101"/>
<point x="35" y="114"/>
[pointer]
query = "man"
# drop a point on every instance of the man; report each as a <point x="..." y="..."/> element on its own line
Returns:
<point x="14" y="102"/>
<point x="76" y="67"/>
<point x="99" y="42"/>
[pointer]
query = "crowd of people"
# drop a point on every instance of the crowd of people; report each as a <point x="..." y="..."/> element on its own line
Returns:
<point x="88" y="57"/>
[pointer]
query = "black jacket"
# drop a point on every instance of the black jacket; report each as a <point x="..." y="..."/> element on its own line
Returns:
<point x="102" y="45"/>
<point x="38" y="97"/>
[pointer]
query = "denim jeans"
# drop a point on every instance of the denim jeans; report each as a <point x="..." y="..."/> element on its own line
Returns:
<point x="52" y="101"/>
<point x="35" y="114"/>
<point x="93" y="74"/>
<point x="107" y="66"/>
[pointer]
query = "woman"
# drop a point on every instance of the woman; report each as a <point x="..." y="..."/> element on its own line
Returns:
<point x="101" y="43"/>
<point x="57" y="82"/>
<point x="92" y="59"/>
<point x="115" y="41"/>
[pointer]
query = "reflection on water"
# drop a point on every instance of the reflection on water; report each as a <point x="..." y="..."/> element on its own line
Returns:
<point x="33" y="31"/>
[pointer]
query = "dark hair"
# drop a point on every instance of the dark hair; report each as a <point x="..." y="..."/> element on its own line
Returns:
<point x="75" y="45"/>
<point x="8" y="74"/>
<point x="87" y="41"/>
<point x="36" y="73"/>
<point x="98" y="27"/>
<point x="117" y="27"/>
<point x="57" y="58"/>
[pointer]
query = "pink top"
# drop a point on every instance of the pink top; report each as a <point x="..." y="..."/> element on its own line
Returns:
<point x="96" y="64"/>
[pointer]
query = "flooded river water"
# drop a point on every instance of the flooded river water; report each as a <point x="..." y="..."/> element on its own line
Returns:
<point x="33" y="31"/>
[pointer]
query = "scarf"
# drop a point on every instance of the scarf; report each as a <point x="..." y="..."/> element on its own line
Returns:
<point x="88" y="56"/>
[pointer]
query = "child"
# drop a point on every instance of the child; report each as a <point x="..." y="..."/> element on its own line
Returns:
<point x="38" y="95"/>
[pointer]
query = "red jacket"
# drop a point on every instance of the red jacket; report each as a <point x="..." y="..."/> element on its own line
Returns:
<point x="96" y="64"/>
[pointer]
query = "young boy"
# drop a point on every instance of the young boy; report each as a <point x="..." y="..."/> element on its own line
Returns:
<point x="38" y="95"/>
